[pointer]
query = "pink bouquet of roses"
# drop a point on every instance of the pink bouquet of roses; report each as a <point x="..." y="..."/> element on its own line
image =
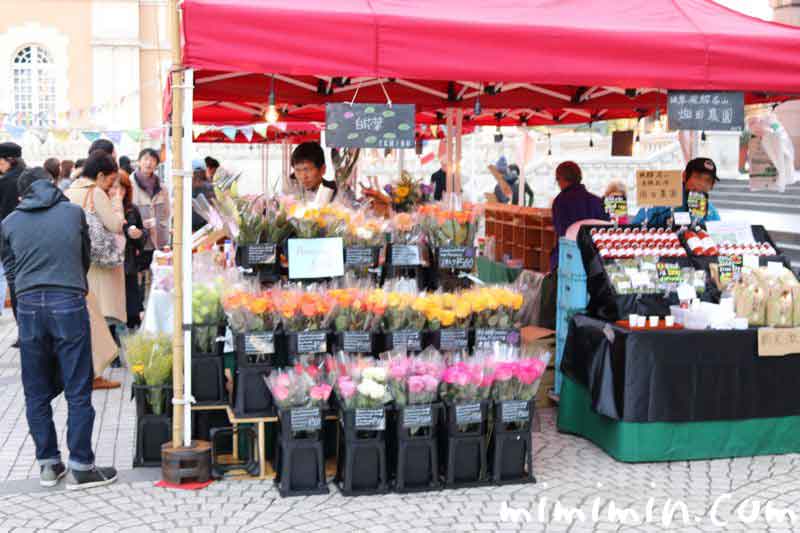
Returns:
<point x="414" y="380"/>
<point x="299" y="386"/>
<point x="517" y="378"/>
<point x="467" y="379"/>
<point x="362" y="384"/>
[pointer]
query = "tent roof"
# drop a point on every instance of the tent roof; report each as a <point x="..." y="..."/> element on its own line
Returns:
<point x="676" y="44"/>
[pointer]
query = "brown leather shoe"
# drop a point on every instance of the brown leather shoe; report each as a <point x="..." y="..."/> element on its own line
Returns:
<point x="101" y="383"/>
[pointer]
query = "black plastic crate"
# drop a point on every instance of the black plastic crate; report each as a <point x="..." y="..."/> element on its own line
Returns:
<point x="300" y="462"/>
<point x="208" y="380"/>
<point x="161" y="396"/>
<point x="252" y="397"/>
<point x="463" y="444"/>
<point x="205" y="339"/>
<point x="510" y="447"/>
<point x="362" y="465"/>
<point x="248" y="461"/>
<point x="204" y="422"/>
<point x="413" y="448"/>
<point x="151" y="432"/>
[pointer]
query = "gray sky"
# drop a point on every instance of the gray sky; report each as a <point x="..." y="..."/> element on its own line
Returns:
<point x="755" y="8"/>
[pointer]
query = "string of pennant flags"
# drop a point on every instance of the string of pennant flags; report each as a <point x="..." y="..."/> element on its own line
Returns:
<point x="231" y="131"/>
<point x="42" y="125"/>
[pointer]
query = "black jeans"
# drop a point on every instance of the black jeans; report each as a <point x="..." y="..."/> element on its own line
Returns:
<point x="56" y="355"/>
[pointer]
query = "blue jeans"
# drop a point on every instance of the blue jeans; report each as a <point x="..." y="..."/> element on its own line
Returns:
<point x="56" y="353"/>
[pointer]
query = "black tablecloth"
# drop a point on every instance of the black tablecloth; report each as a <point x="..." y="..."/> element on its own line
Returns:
<point x="679" y="375"/>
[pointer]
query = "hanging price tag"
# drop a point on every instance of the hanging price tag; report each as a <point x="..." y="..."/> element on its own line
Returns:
<point x="697" y="202"/>
<point x="668" y="272"/>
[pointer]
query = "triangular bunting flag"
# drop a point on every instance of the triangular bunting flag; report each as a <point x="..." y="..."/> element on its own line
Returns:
<point x="41" y="135"/>
<point x="153" y="133"/>
<point x="280" y="125"/>
<point x="427" y="158"/>
<point x="91" y="136"/>
<point x="16" y="132"/>
<point x="135" y="135"/>
<point x="198" y="130"/>
<point x="61" y="135"/>
<point x="247" y="131"/>
<point x="261" y="129"/>
<point x="114" y="136"/>
<point x="229" y="132"/>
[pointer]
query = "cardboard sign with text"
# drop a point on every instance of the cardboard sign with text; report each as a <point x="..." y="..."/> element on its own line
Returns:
<point x="316" y="258"/>
<point x="659" y="188"/>
<point x="776" y="342"/>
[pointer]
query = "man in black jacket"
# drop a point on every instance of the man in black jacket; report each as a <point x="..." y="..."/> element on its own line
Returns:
<point x="11" y="167"/>
<point x="46" y="254"/>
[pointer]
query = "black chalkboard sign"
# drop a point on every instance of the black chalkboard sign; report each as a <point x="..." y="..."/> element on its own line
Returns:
<point x="415" y="416"/>
<point x="370" y="125"/>
<point x="306" y="419"/>
<point x="357" y="342"/>
<point x="453" y="339"/>
<point x="705" y="110"/>
<point x="361" y="256"/>
<point x="457" y="257"/>
<point x="411" y="340"/>
<point x="259" y="343"/>
<point x="261" y="254"/>
<point x="487" y="337"/>
<point x="622" y="143"/>
<point x="515" y="411"/>
<point x="469" y="413"/>
<point x="371" y="419"/>
<point x="312" y="342"/>
<point x="405" y="255"/>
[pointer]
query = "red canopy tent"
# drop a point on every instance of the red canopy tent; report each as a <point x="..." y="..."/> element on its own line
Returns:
<point x="532" y="62"/>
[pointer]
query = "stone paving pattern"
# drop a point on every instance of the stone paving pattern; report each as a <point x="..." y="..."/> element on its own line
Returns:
<point x="749" y="493"/>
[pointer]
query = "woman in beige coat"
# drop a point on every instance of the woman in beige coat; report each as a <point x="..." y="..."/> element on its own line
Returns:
<point x="106" y="284"/>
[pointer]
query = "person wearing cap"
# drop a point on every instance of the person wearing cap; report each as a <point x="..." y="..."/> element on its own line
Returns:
<point x="46" y="252"/>
<point x="700" y="175"/>
<point x="11" y="167"/>
<point x="507" y="188"/>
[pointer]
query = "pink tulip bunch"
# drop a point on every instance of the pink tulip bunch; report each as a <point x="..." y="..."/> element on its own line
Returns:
<point x="299" y="386"/>
<point x="414" y="379"/>
<point x="516" y="379"/>
<point x="467" y="380"/>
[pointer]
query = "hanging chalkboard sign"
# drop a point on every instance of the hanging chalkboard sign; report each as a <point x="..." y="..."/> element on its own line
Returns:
<point x="370" y="125"/>
<point x="705" y="110"/>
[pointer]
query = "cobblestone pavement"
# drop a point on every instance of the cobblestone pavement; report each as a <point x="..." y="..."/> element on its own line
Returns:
<point x="748" y="494"/>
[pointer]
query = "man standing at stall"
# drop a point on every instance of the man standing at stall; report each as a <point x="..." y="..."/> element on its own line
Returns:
<point x="308" y="163"/>
<point x="573" y="203"/>
<point x="699" y="176"/>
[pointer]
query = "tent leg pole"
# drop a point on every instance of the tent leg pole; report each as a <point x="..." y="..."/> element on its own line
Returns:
<point x="459" y="133"/>
<point x="186" y="157"/>
<point x="177" y="227"/>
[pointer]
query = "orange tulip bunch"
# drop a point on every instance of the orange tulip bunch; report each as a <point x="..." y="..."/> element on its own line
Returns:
<point x="448" y="227"/>
<point x="249" y="311"/>
<point x="405" y="229"/>
<point x="358" y="309"/>
<point x="304" y="310"/>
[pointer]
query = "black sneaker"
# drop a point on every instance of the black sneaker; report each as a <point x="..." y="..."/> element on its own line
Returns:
<point x="50" y="475"/>
<point x="87" y="479"/>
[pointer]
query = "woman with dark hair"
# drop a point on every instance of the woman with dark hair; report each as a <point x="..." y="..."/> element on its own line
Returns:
<point x="134" y="247"/>
<point x="125" y="166"/>
<point x="90" y="191"/>
<point x="65" y="172"/>
<point x="53" y="167"/>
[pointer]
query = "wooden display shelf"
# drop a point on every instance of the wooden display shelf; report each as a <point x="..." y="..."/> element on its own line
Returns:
<point x="523" y="233"/>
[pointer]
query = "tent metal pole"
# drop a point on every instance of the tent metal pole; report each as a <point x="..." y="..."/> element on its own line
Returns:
<point x="459" y="133"/>
<point x="186" y="252"/>
<point x="177" y="226"/>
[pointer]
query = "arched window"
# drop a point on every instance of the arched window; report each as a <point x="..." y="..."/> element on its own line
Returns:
<point x="34" y="86"/>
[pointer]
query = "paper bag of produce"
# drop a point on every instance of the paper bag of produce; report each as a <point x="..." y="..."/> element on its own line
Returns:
<point x="796" y="305"/>
<point x="779" y="307"/>
<point x="758" y="309"/>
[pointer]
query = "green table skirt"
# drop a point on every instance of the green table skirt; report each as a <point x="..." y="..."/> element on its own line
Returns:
<point x="493" y="272"/>
<point x="634" y="442"/>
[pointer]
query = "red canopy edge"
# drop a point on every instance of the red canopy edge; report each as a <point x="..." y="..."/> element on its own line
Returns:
<point x="677" y="44"/>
